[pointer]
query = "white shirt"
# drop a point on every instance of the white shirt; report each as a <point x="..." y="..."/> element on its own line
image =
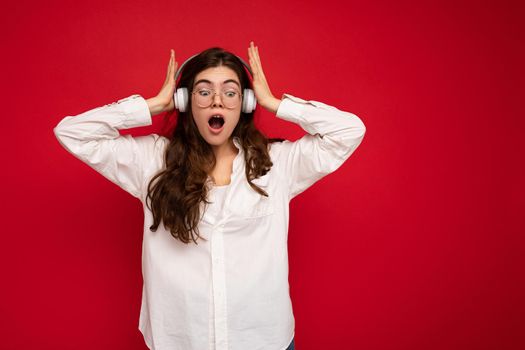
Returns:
<point x="230" y="292"/>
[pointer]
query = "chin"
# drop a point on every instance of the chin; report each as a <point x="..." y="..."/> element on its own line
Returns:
<point x="217" y="140"/>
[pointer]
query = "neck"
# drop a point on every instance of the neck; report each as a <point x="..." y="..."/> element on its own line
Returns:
<point x="225" y="150"/>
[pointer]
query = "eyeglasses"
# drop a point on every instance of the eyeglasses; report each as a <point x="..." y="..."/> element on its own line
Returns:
<point x="204" y="97"/>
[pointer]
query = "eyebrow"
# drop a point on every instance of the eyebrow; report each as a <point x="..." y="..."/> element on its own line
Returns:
<point x="224" y="82"/>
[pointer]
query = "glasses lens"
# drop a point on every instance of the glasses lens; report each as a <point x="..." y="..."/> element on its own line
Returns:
<point x="230" y="97"/>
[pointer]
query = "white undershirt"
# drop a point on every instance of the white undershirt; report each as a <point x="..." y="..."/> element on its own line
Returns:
<point x="217" y="195"/>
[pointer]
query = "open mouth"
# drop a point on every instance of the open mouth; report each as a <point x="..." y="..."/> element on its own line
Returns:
<point x="216" y="121"/>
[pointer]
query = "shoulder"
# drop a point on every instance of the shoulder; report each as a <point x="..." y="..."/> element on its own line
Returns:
<point x="153" y="148"/>
<point x="276" y="146"/>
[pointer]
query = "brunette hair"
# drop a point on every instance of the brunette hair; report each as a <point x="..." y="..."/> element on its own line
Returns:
<point x="176" y="192"/>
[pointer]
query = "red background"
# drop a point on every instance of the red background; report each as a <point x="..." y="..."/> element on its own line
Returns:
<point x="416" y="242"/>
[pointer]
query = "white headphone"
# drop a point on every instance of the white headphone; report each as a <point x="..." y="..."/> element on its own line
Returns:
<point x="180" y="97"/>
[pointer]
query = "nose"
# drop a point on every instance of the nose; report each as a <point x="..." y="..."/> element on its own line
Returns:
<point x="217" y="100"/>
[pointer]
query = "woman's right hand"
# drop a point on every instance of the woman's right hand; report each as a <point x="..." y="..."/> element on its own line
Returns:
<point x="163" y="102"/>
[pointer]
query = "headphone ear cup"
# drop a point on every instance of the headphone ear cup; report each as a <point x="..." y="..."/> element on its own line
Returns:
<point x="249" y="102"/>
<point x="181" y="99"/>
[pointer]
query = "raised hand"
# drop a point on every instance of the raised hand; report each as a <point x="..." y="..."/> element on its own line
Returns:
<point x="264" y="96"/>
<point x="163" y="102"/>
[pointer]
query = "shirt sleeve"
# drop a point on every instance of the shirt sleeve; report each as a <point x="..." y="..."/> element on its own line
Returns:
<point x="332" y="136"/>
<point x="93" y="137"/>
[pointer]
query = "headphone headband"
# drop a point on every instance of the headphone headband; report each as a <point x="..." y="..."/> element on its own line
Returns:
<point x="189" y="59"/>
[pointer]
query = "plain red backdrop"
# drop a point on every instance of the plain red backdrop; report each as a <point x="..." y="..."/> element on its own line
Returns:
<point x="416" y="242"/>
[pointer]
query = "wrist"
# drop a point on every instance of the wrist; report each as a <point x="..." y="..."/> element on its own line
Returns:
<point x="271" y="105"/>
<point x="155" y="105"/>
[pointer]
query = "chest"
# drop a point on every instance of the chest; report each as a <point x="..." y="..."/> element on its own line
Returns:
<point x="239" y="204"/>
<point x="222" y="172"/>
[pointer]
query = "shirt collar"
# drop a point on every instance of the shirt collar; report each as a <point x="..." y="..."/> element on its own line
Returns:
<point x="239" y="159"/>
<point x="237" y="142"/>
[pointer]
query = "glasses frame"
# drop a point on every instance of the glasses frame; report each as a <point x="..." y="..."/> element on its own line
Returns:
<point x="213" y="97"/>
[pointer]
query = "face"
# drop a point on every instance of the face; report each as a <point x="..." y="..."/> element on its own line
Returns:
<point x="219" y="79"/>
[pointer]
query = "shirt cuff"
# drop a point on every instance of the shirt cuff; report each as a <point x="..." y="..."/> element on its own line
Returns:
<point x="291" y="108"/>
<point x="135" y="111"/>
<point x="294" y="109"/>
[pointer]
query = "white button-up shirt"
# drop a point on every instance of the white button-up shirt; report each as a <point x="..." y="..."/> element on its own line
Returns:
<point x="230" y="292"/>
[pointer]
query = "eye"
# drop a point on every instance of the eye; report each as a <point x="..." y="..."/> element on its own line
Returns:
<point x="230" y="93"/>
<point x="204" y="92"/>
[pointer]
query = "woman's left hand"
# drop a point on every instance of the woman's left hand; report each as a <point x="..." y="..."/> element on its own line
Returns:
<point x="261" y="89"/>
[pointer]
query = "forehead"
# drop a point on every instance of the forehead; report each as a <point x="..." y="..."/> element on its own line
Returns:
<point x="217" y="75"/>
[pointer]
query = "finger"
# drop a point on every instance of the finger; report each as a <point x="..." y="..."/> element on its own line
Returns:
<point x="260" y="74"/>
<point x="256" y="61"/>
<point x="255" y="70"/>
<point x="253" y="57"/>
<point x="168" y="73"/>
<point x="258" y="64"/>
<point x="258" y="58"/>
<point x="174" y="71"/>
<point x="251" y="50"/>
<point x="171" y="58"/>
<point x="171" y="66"/>
<point x="252" y="64"/>
<point x="255" y="54"/>
<point x="250" y="53"/>
<point x="174" y="65"/>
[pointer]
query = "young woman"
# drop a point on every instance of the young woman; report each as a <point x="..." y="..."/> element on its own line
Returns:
<point x="216" y="271"/>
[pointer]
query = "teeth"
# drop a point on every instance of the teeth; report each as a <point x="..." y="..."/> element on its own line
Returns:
<point x="216" y="120"/>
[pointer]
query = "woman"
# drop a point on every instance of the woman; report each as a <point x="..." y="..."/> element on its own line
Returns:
<point x="220" y="184"/>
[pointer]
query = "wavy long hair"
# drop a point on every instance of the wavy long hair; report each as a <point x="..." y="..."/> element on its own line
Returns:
<point x="178" y="190"/>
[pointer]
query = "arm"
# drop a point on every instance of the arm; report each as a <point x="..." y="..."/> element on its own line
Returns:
<point x="333" y="135"/>
<point x="93" y="137"/>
